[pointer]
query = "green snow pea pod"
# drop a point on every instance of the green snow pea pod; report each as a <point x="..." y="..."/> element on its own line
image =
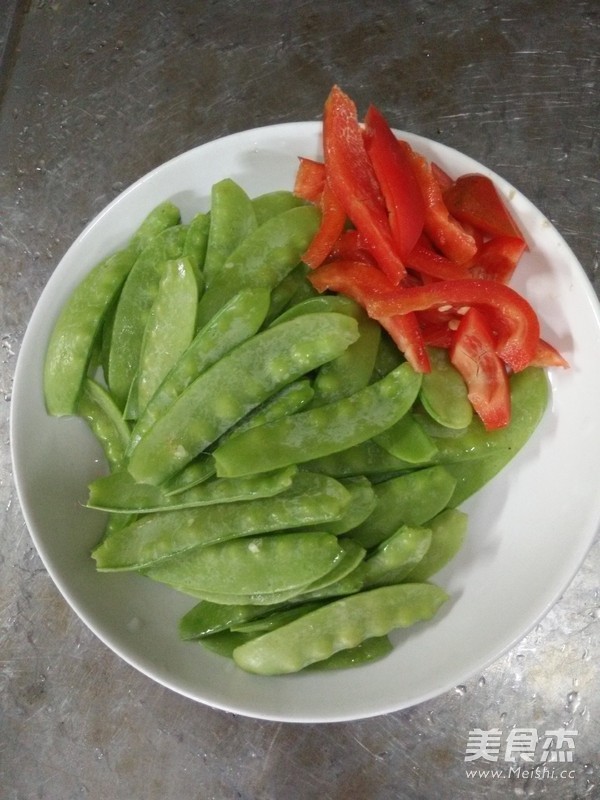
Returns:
<point x="344" y="578"/>
<point x="285" y="291"/>
<point x="444" y="392"/>
<point x="254" y="565"/>
<point x="366" y="459"/>
<point x="169" y="328"/>
<point x="323" y="430"/>
<point x="448" y="531"/>
<point x="362" y="503"/>
<point x="137" y="295"/>
<point x="366" y="652"/>
<point x="97" y="407"/>
<point x="236" y="322"/>
<point x="409" y="499"/>
<point x="269" y="620"/>
<point x="232" y="219"/>
<point x="339" y="625"/>
<point x="194" y="248"/>
<point x="119" y="493"/>
<point x="352" y="370"/>
<point x="529" y="399"/>
<point x="270" y="204"/>
<point x="263" y="259"/>
<point x="408" y="441"/>
<point x="223" y="643"/>
<point x="206" y="618"/>
<point x="232" y="387"/>
<point x="287" y="401"/>
<point x="395" y="557"/>
<point x="320" y="303"/>
<point x="309" y="500"/>
<point x="75" y="332"/>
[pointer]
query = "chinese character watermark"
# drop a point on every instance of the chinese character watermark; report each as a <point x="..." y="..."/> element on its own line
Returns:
<point x="521" y="749"/>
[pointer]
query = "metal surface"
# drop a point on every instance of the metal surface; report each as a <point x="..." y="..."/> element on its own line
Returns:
<point x="95" y="94"/>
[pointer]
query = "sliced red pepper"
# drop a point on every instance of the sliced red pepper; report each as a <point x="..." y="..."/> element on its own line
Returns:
<point x="310" y="180"/>
<point x="515" y="321"/>
<point x="333" y="219"/>
<point x="445" y="232"/>
<point x="364" y="284"/>
<point x="497" y="258"/>
<point x="548" y="356"/>
<point x="474" y="356"/>
<point x="399" y="186"/>
<point x="474" y="199"/>
<point x="351" y="246"/>
<point x="443" y="179"/>
<point x="424" y="259"/>
<point x="354" y="182"/>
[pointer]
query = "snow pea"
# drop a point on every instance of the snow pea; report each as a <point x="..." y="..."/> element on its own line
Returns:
<point x="395" y="557"/>
<point x="79" y="322"/>
<point x="263" y="259"/>
<point x="352" y="370"/>
<point x="252" y="566"/>
<point x="408" y="441"/>
<point x="232" y="387"/>
<point x="169" y="328"/>
<point x="270" y="204"/>
<point x="366" y="458"/>
<point x="97" y="407"/>
<point x="286" y="291"/>
<point x="448" y="531"/>
<point x="194" y="248"/>
<point x="134" y="303"/>
<point x="322" y="430"/>
<point x="339" y="625"/>
<point x="343" y="579"/>
<point x="409" y="499"/>
<point x="232" y="219"/>
<point x="444" y="392"/>
<point x="269" y="620"/>
<point x="206" y="618"/>
<point x="493" y="450"/>
<point x="366" y="652"/>
<point x="119" y="493"/>
<point x="237" y="321"/>
<point x="287" y="401"/>
<point x="309" y="500"/>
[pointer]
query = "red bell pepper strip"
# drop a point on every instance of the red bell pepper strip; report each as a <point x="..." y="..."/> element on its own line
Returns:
<point x="497" y="258"/>
<point x="333" y="220"/>
<point x="474" y="199"/>
<point x="350" y="246"/>
<point x="353" y="180"/>
<point x="310" y="180"/>
<point x="425" y="260"/>
<point x="474" y="356"/>
<point x="364" y="283"/>
<point x="548" y="356"/>
<point x="446" y="233"/>
<point x="399" y="186"/>
<point x="515" y="321"/>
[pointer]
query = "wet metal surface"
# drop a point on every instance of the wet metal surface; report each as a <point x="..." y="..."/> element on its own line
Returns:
<point x="94" y="95"/>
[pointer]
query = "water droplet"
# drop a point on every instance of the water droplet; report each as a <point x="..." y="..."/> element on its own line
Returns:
<point x="461" y="689"/>
<point x="588" y="769"/>
<point x="573" y="702"/>
<point x="481" y="681"/>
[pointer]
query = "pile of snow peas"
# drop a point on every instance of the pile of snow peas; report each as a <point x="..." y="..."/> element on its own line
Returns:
<point x="269" y="451"/>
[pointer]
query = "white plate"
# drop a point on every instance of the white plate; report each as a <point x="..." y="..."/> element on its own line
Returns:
<point x="529" y="529"/>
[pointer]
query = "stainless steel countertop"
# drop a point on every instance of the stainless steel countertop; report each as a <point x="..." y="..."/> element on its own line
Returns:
<point x="97" y="93"/>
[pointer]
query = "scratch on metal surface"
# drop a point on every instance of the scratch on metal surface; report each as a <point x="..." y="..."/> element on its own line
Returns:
<point x="376" y="756"/>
